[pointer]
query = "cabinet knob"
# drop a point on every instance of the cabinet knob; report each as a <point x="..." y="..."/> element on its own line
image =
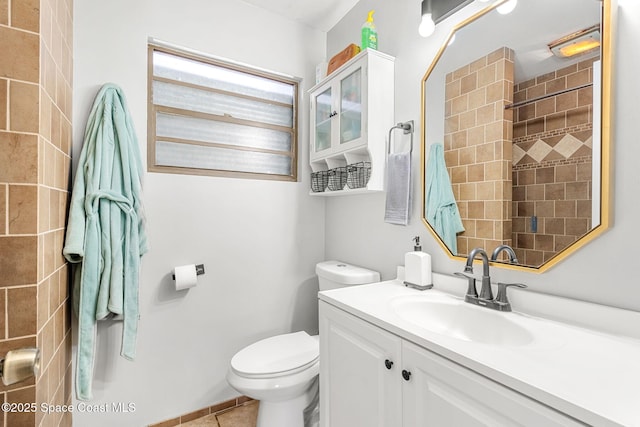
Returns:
<point x="406" y="374"/>
<point x="388" y="363"/>
<point x="335" y="113"/>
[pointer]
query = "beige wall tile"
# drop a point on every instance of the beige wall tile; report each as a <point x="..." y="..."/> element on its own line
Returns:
<point x="486" y="114"/>
<point x="536" y="91"/>
<point x="580" y="78"/>
<point x="493" y="209"/>
<point x="496" y="92"/>
<point x="3" y="209"/>
<point x="25" y="418"/>
<point x="578" y="116"/>
<point x="535" y="126"/>
<point x="554" y="226"/>
<point x="461" y="72"/>
<point x="23" y="209"/>
<point x="496" y="55"/>
<point x="467" y="119"/>
<point x="49" y="164"/>
<point x="459" y="104"/>
<point x="25" y="14"/>
<point x="45" y="115"/>
<point x="566" y="101"/>
<point x="3" y="103"/>
<point x="477" y="98"/>
<point x="487" y="75"/>
<point x="43" y="302"/>
<point x="19" y="160"/>
<point x="469" y="83"/>
<point x="467" y="192"/>
<point x="476" y="172"/>
<point x="3" y="314"/>
<point x="4" y="12"/>
<point x="53" y="210"/>
<point x="577" y="190"/>
<point x="18" y="260"/>
<point x="24" y="66"/>
<point x="54" y="293"/>
<point x="576" y="226"/>
<point x="22" y="313"/>
<point x="565" y="208"/>
<point x="452" y="89"/>
<point x="24" y="107"/>
<point x="44" y="194"/>
<point x="545" y="107"/>
<point x="49" y="253"/>
<point x="554" y="191"/>
<point x="466" y="156"/>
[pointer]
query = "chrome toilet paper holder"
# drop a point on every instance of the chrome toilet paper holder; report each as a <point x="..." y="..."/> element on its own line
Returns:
<point x="199" y="271"/>
<point x="19" y="365"/>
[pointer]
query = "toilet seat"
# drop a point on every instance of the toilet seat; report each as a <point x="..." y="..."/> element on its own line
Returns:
<point x="277" y="356"/>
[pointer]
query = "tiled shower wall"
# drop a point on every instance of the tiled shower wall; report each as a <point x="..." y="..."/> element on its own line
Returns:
<point x="35" y="143"/>
<point x="477" y="145"/>
<point x="552" y="163"/>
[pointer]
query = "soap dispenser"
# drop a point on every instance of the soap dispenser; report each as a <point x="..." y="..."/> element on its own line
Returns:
<point x="417" y="268"/>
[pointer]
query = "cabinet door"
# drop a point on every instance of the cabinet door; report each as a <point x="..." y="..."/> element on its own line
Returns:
<point x="356" y="387"/>
<point x="352" y="108"/>
<point x="322" y="113"/>
<point x="441" y="393"/>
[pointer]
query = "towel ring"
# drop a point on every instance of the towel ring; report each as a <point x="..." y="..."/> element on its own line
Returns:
<point x="407" y="127"/>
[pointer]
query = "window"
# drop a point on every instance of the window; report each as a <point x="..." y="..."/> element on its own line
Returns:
<point x="211" y="117"/>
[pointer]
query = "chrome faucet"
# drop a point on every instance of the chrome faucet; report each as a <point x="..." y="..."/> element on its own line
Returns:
<point x="485" y="291"/>
<point x="513" y="259"/>
<point x="501" y="302"/>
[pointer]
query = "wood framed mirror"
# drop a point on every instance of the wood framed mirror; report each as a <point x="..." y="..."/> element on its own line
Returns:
<point x="523" y="132"/>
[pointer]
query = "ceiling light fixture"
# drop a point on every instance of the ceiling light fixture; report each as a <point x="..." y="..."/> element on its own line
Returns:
<point x="435" y="11"/>
<point x="576" y="43"/>
<point x="507" y="7"/>
<point x="427" y="26"/>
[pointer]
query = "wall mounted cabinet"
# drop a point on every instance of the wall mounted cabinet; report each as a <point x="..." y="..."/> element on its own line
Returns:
<point x="371" y="377"/>
<point x="351" y="112"/>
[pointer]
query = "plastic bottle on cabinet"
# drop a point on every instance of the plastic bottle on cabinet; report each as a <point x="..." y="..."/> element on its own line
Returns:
<point x="369" y="33"/>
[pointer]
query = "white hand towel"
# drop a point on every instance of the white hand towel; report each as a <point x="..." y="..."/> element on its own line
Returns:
<point x="398" y="203"/>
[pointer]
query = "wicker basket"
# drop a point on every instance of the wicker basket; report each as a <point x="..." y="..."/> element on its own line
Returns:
<point x="358" y="174"/>
<point x="337" y="178"/>
<point x="319" y="181"/>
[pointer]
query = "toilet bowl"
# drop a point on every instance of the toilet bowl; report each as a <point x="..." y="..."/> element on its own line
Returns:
<point x="281" y="371"/>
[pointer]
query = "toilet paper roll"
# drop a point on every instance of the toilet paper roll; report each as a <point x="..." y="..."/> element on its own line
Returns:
<point x="186" y="276"/>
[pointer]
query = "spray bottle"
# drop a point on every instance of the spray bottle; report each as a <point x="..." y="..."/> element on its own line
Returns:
<point x="369" y="33"/>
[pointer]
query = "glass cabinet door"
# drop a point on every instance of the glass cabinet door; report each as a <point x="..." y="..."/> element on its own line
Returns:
<point x="323" y="121"/>
<point x="351" y="107"/>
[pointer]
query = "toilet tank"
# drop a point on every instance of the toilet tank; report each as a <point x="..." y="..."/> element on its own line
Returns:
<point x="338" y="274"/>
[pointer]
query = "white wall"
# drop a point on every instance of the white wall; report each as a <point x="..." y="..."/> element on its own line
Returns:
<point x="603" y="271"/>
<point x="259" y="240"/>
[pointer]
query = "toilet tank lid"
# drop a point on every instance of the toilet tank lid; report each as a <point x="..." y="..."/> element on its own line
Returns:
<point x="347" y="274"/>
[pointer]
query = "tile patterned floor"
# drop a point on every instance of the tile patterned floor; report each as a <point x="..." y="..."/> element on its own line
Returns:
<point x="240" y="416"/>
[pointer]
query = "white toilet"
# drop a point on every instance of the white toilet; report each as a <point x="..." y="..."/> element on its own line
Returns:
<point x="281" y="371"/>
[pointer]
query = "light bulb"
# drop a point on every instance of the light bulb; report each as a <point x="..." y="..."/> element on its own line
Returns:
<point x="427" y="26"/>
<point x="507" y="7"/>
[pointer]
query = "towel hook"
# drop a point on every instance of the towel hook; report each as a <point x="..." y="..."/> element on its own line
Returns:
<point x="407" y="128"/>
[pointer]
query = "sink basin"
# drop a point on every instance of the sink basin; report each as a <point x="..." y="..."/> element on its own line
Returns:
<point x="456" y="319"/>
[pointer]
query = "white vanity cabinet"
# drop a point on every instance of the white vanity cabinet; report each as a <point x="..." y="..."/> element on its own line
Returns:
<point x="419" y="389"/>
<point x="359" y="371"/>
<point x="351" y="111"/>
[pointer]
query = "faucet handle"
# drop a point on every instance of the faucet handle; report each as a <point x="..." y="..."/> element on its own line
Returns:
<point x="471" y="287"/>
<point x="502" y="291"/>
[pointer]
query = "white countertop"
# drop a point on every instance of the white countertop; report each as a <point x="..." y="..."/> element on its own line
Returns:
<point x="591" y="375"/>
